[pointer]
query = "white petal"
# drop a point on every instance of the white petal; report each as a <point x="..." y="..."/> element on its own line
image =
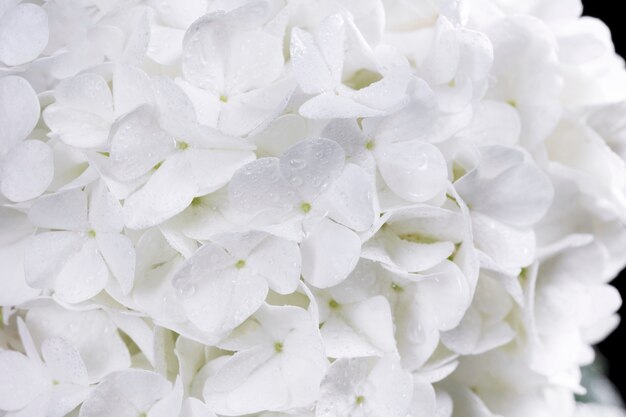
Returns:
<point x="170" y="404"/>
<point x="165" y="44"/>
<point x="86" y="92"/>
<point x="64" y="361"/>
<point x="132" y="88"/>
<point x="66" y="210"/>
<point x="15" y="289"/>
<point x="14" y="225"/>
<point x="23" y="34"/>
<point x="249" y="111"/>
<point x="494" y="123"/>
<point x="213" y="168"/>
<point x="259" y="188"/>
<point x="175" y="111"/>
<point x="223" y="54"/>
<point x="348" y="134"/>
<point x="46" y="255"/>
<point x="105" y="211"/>
<point x="27" y="170"/>
<point x="309" y="66"/>
<point x="311" y="166"/>
<point x="350" y="199"/>
<point x="369" y="322"/>
<point x="138" y="144"/>
<point x="508" y="246"/>
<point x="249" y="381"/>
<point x="168" y="192"/>
<point x="329" y="254"/>
<point x="91" y="332"/>
<point x="21" y="381"/>
<point x="64" y="398"/>
<point x="19" y="110"/>
<point x="412" y="121"/>
<point x="414" y="170"/>
<point x="278" y="261"/>
<point x="382" y="387"/>
<point x="415" y="256"/>
<point x="125" y="393"/>
<point x="218" y="301"/>
<point x="261" y="378"/>
<point x="83" y="275"/>
<point x="519" y="196"/>
<point x="119" y="254"/>
<point x="332" y="105"/>
<point x="445" y="286"/>
<point x="192" y="407"/>
<point x="77" y="128"/>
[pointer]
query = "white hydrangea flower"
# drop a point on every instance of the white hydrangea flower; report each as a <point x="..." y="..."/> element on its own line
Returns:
<point x="295" y="208"/>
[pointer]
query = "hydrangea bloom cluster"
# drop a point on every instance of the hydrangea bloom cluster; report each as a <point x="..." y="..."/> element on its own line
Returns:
<point x="307" y="208"/>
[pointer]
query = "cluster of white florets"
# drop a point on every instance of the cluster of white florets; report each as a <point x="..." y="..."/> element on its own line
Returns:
<point x="329" y="208"/>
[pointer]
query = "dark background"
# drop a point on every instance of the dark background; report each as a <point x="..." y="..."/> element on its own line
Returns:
<point x="613" y="348"/>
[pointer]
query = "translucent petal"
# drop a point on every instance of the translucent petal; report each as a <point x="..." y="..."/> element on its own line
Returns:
<point x="224" y="54"/>
<point x="64" y="361"/>
<point x="165" y="44"/>
<point x="367" y="387"/>
<point x="222" y="302"/>
<point x="329" y="253"/>
<point x="77" y="128"/>
<point x="15" y="290"/>
<point x="332" y="105"/>
<point x="170" y="404"/>
<point x="249" y="382"/>
<point x="138" y="144"/>
<point x="21" y="381"/>
<point x="369" y="320"/>
<point x="46" y="254"/>
<point x="216" y="295"/>
<point x="412" y="121"/>
<point x="86" y="92"/>
<point x="90" y="331"/>
<point x="445" y="285"/>
<point x="66" y="210"/>
<point x="278" y="261"/>
<point x="82" y="276"/>
<point x="414" y="170"/>
<point x="64" y="398"/>
<point x="119" y="254"/>
<point x="168" y="192"/>
<point x="193" y="407"/>
<point x="251" y="110"/>
<point x="23" y="34"/>
<point x="259" y="188"/>
<point x="126" y="393"/>
<point x="311" y="166"/>
<point x="213" y="168"/>
<point x="105" y="211"/>
<point x="132" y="88"/>
<point x="19" y="110"/>
<point x="494" y="123"/>
<point x="27" y="170"/>
<point x="350" y="199"/>
<point x="310" y="68"/>
<point x="347" y="133"/>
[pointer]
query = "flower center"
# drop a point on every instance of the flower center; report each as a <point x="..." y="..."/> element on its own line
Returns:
<point x="278" y="347"/>
<point x="305" y="207"/>
<point x="240" y="264"/>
